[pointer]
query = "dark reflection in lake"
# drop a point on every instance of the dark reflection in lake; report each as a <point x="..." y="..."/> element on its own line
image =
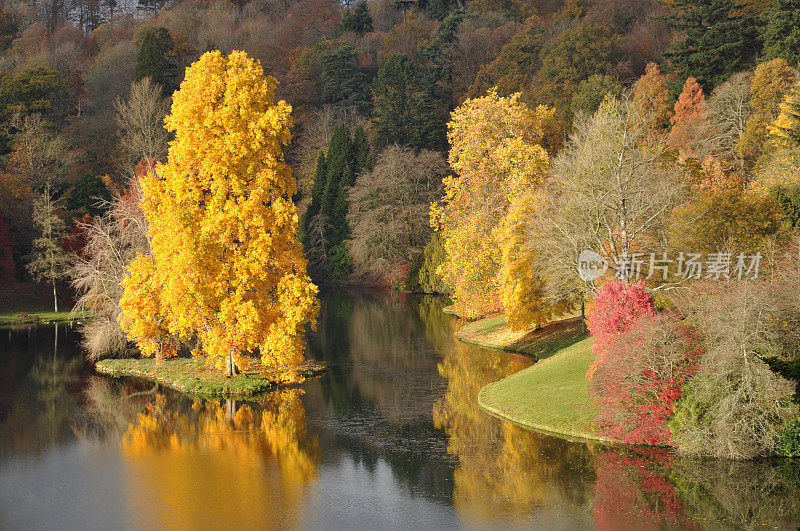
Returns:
<point x="391" y="437"/>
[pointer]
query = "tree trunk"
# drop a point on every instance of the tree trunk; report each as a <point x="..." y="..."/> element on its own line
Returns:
<point x="230" y="369"/>
<point x="583" y="315"/>
<point x="55" y="297"/>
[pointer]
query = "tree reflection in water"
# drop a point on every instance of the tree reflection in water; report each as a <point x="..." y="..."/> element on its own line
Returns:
<point x="178" y="455"/>
<point x="503" y="470"/>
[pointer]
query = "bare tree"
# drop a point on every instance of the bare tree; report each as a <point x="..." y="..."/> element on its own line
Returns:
<point x="389" y="210"/>
<point x="610" y="193"/>
<point x="112" y="241"/>
<point x="141" y="122"/>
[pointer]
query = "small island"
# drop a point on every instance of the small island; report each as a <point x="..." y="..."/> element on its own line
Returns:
<point x="191" y="376"/>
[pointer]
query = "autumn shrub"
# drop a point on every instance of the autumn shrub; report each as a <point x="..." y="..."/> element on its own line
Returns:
<point x="735" y="406"/>
<point x="617" y="306"/>
<point x="642" y="376"/>
<point x="425" y="275"/>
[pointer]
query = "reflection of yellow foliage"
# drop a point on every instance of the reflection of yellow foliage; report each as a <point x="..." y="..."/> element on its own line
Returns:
<point x="503" y="469"/>
<point x="214" y="447"/>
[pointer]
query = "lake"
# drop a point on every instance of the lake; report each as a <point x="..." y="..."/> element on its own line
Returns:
<point x="391" y="437"/>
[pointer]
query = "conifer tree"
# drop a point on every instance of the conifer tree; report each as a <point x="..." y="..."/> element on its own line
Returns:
<point x="151" y="61"/>
<point x="342" y="83"/>
<point x="719" y="39"/>
<point x="358" y="20"/>
<point x="781" y="31"/>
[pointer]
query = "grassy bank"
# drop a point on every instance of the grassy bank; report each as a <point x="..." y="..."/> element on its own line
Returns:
<point x="541" y="343"/>
<point x="192" y="377"/>
<point x="550" y="396"/>
<point x="28" y="316"/>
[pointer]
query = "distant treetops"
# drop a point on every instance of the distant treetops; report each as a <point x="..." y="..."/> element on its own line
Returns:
<point x="226" y="274"/>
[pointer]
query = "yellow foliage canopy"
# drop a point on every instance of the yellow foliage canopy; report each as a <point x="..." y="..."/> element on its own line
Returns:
<point x="226" y="270"/>
<point x="496" y="155"/>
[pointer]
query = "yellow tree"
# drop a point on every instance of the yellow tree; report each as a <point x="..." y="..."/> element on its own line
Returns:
<point x="226" y="270"/>
<point x="494" y="148"/>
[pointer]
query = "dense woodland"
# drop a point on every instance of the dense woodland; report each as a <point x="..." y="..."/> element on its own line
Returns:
<point x="468" y="148"/>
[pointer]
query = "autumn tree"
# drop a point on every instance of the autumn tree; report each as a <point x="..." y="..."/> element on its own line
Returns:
<point x="769" y="84"/>
<point x="785" y="130"/>
<point x="47" y="260"/>
<point x="26" y="92"/>
<point x="781" y="31"/>
<point x="111" y="242"/>
<point x="719" y="38"/>
<point x="512" y="69"/>
<point x="651" y="97"/>
<point x="591" y="92"/>
<point x="226" y="267"/>
<point x="575" y="55"/>
<point x="389" y="211"/>
<point x="38" y="155"/>
<point x="140" y="119"/>
<point x="610" y="193"/>
<point x="494" y="151"/>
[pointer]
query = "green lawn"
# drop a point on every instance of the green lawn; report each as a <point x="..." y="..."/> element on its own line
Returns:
<point x="192" y="377"/>
<point x="491" y="333"/>
<point x="550" y="396"/>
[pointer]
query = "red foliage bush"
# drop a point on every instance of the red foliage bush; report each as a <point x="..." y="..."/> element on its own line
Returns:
<point x="642" y="377"/>
<point x="617" y="306"/>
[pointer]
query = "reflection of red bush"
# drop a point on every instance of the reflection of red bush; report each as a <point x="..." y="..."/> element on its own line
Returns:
<point x="642" y="377"/>
<point x="633" y="491"/>
<point x="617" y="306"/>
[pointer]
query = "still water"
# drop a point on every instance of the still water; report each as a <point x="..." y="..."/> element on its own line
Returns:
<point x="391" y="437"/>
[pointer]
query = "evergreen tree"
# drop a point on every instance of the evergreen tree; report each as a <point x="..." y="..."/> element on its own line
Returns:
<point x="358" y="20"/>
<point x="405" y="110"/>
<point x="394" y="91"/>
<point x="316" y="195"/>
<point x="152" y="60"/>
<point x="361" y="154"/>
<point x="781" y="31"/>
<point x="342" y="83"/>
<point x="719" y="39"/>
<point x="338" y="175"/>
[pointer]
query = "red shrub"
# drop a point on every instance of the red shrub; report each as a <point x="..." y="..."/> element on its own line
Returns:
<point x="617" y="306"/>
<point x="642" y="377"/>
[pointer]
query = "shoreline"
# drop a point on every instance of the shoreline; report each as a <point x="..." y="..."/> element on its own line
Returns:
<point x="550" y="396"/>
<point x="191" y="377"/>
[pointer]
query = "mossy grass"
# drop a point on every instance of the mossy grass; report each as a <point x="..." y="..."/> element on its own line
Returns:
<point x="551" y="396"/>
<point x="192" y="377"/>
<point x="30" y="316"/>
<point x="540" y="343"/>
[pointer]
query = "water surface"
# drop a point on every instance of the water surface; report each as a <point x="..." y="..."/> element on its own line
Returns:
<point x="391" y="437"/>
